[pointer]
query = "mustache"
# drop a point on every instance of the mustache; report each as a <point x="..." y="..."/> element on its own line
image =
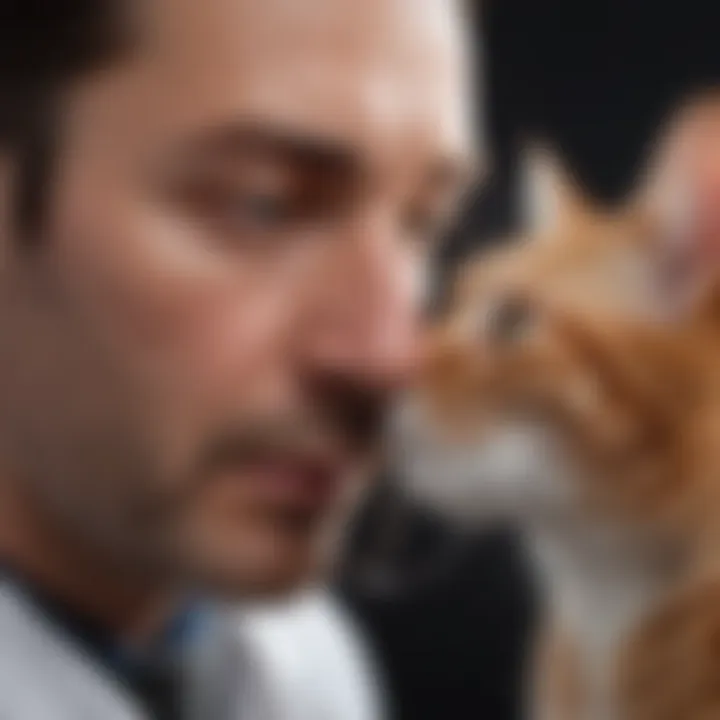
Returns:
<point x="350" y="425"/>
<point x="253" y="439"/>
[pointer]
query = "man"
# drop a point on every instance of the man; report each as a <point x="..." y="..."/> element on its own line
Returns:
<point x="214" y="218"/>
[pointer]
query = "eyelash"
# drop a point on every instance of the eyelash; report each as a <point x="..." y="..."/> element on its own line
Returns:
<point x="261" y="209"/>
<point x="239" y="211"/>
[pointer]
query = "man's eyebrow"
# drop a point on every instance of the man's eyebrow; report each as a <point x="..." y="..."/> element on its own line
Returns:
<point x="286" y="141"/>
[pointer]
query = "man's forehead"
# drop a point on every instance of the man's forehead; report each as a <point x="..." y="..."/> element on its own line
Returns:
<point x="372" y="72"/>
<point x="397" y="23"/>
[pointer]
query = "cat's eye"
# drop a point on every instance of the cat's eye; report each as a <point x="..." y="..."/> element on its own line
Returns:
<point x="509" y="320"/>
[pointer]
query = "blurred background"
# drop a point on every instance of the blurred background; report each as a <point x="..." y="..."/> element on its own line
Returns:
<point x="450" y="618"/>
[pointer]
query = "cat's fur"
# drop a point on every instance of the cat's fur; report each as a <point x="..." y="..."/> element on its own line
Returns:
<point x="574" y="387"/>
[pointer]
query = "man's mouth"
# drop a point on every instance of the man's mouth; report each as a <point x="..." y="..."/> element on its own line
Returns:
<point x="293" y="482"/>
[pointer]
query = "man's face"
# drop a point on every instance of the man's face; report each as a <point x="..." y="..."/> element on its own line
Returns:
<point x="195" y="358"/>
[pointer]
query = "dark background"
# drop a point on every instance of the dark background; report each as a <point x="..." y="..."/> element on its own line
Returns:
<point x="594" y="79"/>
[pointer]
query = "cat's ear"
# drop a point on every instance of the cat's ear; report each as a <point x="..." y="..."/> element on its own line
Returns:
<point x="681" y="191"/>
<point x="549" y="198"/>
<point x="669" y="203"/>
<point x="668" y="228"/>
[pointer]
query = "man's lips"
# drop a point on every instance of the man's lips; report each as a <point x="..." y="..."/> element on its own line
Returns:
<point x="302" y="483"/>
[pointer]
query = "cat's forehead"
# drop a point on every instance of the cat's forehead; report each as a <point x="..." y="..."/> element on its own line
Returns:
<point x="604" y="262"/>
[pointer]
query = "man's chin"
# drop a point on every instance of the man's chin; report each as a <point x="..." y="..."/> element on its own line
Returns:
<point x="260" y="569"/>
<point x="269" y="584"/>
<point x="264" y="554"/>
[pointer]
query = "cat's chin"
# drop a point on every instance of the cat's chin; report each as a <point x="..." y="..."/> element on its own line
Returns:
<point x="515" y="470"/>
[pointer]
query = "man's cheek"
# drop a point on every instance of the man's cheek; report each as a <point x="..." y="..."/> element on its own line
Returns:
<point x="233" y="351"/>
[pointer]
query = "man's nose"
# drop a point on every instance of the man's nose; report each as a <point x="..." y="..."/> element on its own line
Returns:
<point x="367" y="311"/>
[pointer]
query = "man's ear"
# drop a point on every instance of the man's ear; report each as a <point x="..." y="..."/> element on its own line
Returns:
<point x="549" y="197"/>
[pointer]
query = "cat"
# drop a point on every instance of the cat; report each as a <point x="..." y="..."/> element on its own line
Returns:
<point x="573" y="387"/>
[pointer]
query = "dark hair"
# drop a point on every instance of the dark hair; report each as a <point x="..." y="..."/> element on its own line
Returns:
<point x="45" y="45"/>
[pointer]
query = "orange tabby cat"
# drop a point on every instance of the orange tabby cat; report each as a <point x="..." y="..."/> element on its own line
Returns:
<point x="574" y="387"/>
